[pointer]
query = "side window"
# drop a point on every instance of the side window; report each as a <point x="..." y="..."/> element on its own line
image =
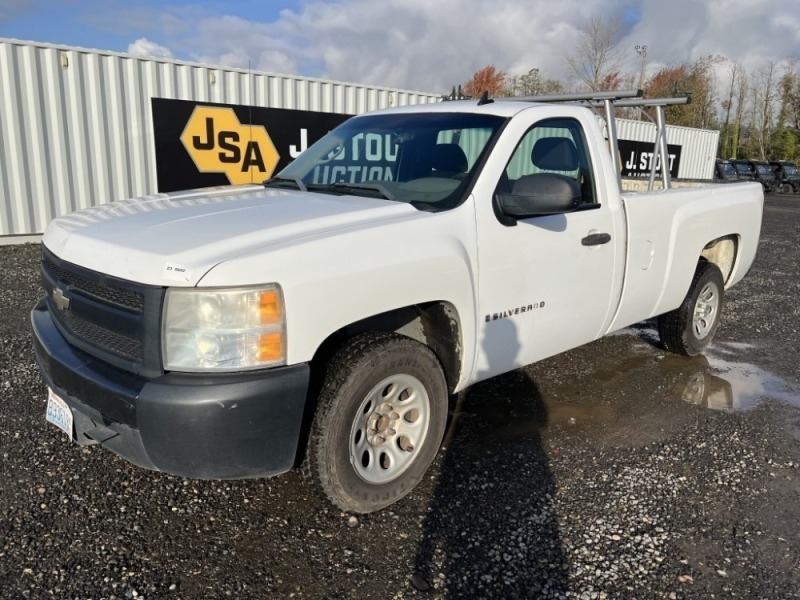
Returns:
<point x="555" y="146"/>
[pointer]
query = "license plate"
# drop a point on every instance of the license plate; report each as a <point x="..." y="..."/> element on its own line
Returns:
<point x="58" y="413"/>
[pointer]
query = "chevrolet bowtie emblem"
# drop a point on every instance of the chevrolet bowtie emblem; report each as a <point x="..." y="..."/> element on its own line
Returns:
<point x="60" y="300"/>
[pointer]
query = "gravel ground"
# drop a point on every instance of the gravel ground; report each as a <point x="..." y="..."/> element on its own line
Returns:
<point x="612" y="471"/>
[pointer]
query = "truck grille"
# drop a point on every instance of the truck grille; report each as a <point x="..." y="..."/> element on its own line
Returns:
<point x="127" y="299"/>
<point x="115" y="320"/>
<point x="102" y="338"/>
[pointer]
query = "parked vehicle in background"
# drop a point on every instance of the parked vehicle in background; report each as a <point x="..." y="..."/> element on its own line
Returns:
<point x="764" y="175"/>
<point x="787" y="175"/>
<point x="725" y="171"/>
<point x="743" y="169"/>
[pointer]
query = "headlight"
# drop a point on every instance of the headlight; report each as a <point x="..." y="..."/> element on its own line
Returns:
<point x="224" y="329"/>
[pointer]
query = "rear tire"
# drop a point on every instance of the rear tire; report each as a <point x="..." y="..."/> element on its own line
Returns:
<point x="689" y="329"/>
<point x="379" y="423"/>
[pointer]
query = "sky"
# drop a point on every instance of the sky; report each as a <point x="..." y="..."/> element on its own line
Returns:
<point x="422" y="45"/>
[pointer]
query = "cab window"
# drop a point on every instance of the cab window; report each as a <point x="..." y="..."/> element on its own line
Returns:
<point x="556" y="146"/>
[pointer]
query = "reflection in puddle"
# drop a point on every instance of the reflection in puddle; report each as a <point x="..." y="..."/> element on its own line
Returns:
<point x="722" y="383"/>
<point x="708" y="390"/>
<point x="750" y="384"/>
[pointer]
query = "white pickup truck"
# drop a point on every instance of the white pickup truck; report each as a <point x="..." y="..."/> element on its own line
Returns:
<point x="325" y="317"/>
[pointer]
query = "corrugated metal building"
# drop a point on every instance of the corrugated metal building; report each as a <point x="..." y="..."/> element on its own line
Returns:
<point x="76" y="124"/>
<point x="698" y="146"/>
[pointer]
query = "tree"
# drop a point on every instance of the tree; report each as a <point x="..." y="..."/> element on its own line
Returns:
<point x="487" y="79"/>
<point x="730" y="131"/>
<point x="696" y="79"/>
<point x="612" y="81"/>
<point x="533" y="83"/>
<point x="741" y="97"/>
<point x="597" y="57"/>
<point x="764" y="97"/>
<point x="785" y="140"/>
<point x="791" y="93"/>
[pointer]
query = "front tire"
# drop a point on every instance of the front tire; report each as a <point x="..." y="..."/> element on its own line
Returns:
<point x="690" y="328"/>
<point x="379" y="423"/>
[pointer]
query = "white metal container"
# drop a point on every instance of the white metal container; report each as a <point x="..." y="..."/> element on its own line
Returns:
<point x="698" y="146"/>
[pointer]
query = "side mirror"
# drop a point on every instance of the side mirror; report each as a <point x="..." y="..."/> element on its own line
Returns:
<point x="540" y="194"/>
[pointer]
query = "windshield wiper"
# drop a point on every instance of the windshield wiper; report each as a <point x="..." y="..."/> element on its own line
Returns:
<point x="282" y="180"/>
<point x="373" y="187"/>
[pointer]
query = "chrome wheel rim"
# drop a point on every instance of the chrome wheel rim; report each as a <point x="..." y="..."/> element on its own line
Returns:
<point x="389" y="429"/>
<point x="705" y="311"/>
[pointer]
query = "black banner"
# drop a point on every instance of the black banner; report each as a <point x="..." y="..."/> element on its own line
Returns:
<point x="637" y="158"/>
<point x="200" y="144"/>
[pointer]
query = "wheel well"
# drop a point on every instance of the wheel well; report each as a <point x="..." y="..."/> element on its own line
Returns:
<point x="434" y="324"/>
<point x="722" y="252"/>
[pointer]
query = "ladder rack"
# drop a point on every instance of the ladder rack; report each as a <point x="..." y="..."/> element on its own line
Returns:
<point x="623" y="99"/>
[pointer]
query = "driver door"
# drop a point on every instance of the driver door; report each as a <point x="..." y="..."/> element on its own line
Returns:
<point x="547" y="283"/>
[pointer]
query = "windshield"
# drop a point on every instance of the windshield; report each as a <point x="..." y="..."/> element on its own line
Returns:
<point x="742" y="168"/>
<point x="426" y="159"/>
<point x="764" y="170"/>
<point x="727" y="170"/>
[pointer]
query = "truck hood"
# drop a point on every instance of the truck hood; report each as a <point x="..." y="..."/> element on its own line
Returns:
<point x="175" y="239"/>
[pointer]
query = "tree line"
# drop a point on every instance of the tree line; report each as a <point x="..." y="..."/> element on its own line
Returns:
<point x="757" y="112"/>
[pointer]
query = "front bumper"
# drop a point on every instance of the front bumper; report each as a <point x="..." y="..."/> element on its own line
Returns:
<point x="220" y="426"/>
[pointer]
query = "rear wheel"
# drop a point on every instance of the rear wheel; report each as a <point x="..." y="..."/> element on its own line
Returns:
<point x="379" y="423"/>
<point x="690" y="328"/>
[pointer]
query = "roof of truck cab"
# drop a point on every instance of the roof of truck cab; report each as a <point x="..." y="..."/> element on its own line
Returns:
<point x="501" y="108"/>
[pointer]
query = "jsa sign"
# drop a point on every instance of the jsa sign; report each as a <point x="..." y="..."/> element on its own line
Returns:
<point x="202" y="144"/>
<point x="638" y="157"/>
<point x="217" y="141"/>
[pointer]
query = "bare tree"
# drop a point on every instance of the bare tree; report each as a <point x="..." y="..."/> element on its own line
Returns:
<point x="727" y="146"/>
<point x="533" y="83"/>
<point x="764" y="95"/>
<point x="741" y="98"/>
<point x="597" y="56"/>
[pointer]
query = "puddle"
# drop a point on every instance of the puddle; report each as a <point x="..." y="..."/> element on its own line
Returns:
<point x="628" y="393"/>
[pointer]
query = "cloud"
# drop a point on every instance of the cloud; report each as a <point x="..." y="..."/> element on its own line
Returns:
<point x="423" y="45"/>
<point x="409" y="44"/>
<point x="144" y="47"/>
<point x="12" y="8"/>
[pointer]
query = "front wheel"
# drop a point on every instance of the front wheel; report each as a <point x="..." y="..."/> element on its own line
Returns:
<point x="380" y="420"/>
<point x="690" y="328"/>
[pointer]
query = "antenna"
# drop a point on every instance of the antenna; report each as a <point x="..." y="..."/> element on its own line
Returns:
<point x="485" y="98"/>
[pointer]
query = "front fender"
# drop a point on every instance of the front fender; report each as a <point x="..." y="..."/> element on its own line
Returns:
<point x="342" y="277"/>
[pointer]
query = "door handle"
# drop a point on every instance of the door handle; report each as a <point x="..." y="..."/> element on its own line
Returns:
<point x="596" y="239"/>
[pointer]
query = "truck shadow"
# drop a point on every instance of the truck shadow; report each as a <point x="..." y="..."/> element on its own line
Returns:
<point x="490" y="530"/>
